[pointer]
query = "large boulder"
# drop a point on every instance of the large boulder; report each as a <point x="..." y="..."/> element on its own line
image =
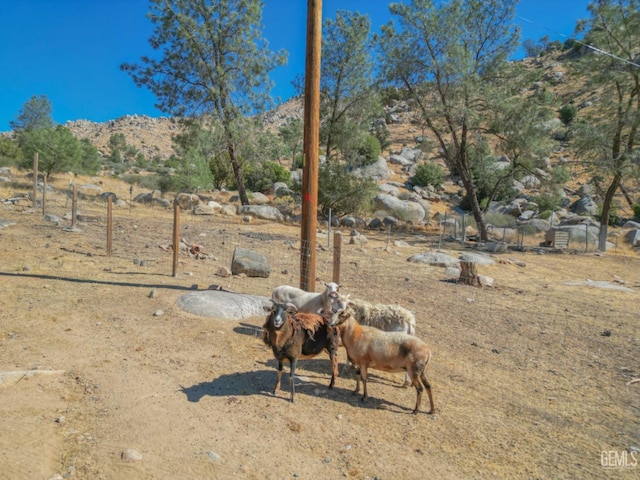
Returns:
<point x="585" y="206"/>
<point x="633" y="237"/>
<point x="437" y="259"/>
<point x="264" y="212"/>
<point x="406" y="210"/>
<point x="258" y="198"/>
<point x="252" y="264"/>
<point x="187" y="201"/>
<point x="376" y="171"/>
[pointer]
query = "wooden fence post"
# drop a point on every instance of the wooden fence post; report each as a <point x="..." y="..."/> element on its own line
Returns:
<point x="109" y="225"/>
<point x="74" y="207"/>
<point x="337" y="250"/>
<point x="35" y="180"/>
<point x="44" y="195"/>
<point x="176" y="237"/>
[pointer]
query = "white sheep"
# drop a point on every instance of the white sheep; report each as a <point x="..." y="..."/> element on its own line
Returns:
<point x="368" y="347"/>
<point x="389" y="318"/>
<point x="307" y="302"/>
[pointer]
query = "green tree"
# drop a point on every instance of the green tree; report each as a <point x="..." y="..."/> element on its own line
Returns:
<point x="341" y="192"/>
<point x="10" y="153"/>
<point x="519" y="129"/>
<point x="214" y="62"/>
<point x="58" y="150"/>
<point x="347" y="99"/>
<point x="34" y="114"/>
<point x="292" y="135"/>
<point x="608" y="135"/>
<point x="195" y="147"/>
<point x="90" y="157"/>
<point x="117" y="143"/>
<point x="446" y="56"/>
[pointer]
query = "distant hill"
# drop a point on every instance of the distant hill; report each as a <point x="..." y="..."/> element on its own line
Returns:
<point x="151" y="136"/>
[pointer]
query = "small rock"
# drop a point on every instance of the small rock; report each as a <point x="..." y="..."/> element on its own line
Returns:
<point x="158" y="313"/>
<point x="153" y="293"/>
<point x="606" y="333"/>
<point x="214" y="457"/>
<point x="223" y="272"/>
<point x="61" y="419"/>
<point x="130" y="455"/>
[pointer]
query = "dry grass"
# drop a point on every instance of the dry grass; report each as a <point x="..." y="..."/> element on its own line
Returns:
<point x="530" y="378"/>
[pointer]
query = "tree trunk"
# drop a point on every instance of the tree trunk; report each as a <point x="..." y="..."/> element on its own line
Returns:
<point x="237" y="173"/>
<point x="606" y="208"/>
<point x="475" y="207"/>
<point x="468" y="274"/>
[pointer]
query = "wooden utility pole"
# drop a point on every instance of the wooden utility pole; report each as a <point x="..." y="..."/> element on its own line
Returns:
<point x="311" y="146"/>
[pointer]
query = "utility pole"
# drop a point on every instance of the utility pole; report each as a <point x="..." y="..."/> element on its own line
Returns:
<point x="311" y="146"/>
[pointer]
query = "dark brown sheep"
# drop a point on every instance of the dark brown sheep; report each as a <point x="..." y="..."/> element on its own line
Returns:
<point x="292" y="336"/>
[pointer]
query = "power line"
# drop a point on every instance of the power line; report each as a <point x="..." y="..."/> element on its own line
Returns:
<point x="595" y="49"/>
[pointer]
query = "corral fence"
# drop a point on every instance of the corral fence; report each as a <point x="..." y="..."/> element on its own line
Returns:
<point x="576" y="238"/>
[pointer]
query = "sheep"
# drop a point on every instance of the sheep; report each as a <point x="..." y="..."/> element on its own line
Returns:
<point x="293" y="335"/>
<point x="389" y="318"/>
<point x="369" y="347"/>
<point x="307" y="302"/>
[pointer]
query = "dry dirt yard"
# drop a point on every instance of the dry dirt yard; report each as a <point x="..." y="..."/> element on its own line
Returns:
<point x="532" y="378"/>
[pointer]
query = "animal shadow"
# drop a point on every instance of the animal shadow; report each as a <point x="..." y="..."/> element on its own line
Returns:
<point x="255" y="382"/>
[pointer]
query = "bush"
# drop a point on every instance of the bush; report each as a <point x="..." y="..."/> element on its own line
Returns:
<point x="636" y="211"/>
<point x="369" y="150"/>
<point x="568" y="113"/>
<point x="342" y="193"/>
<point x="261" y="177"/>
<point x="560" y="175"/>
<point x="549" y="201"/>
<point x="428" y="174"/>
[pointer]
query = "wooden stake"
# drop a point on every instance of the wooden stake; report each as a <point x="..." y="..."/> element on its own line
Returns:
<point x="74" y="207"/>
<point x="109" y="225"/>
<point x="176" y="238"/>
<point x="35" y="181"/>
<point x="337" y="251"/>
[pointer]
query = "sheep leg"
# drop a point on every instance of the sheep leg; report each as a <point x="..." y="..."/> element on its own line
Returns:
<point x="292" y="376"/>
<point x="358" y="375"/>
<point x="419" y="390"/>
<point x="407" y="380"/>
<point x="334" y="367"/>
<point x="275" y="389"/>
<point x="363" y="374"/>
<point x="427" y="386"/>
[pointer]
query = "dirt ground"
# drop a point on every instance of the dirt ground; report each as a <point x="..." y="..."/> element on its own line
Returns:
<point x="103" y="377"/>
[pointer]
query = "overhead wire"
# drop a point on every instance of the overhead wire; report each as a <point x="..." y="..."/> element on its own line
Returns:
<point x="595" y="49"/>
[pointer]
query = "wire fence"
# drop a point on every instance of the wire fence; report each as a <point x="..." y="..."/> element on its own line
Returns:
<point x="148" y="233"/>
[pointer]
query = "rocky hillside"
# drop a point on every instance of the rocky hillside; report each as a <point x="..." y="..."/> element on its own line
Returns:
<point x="151" y="136"/>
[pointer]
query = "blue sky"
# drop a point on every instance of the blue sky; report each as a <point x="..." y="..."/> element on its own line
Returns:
<point x="71" y="50"/>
